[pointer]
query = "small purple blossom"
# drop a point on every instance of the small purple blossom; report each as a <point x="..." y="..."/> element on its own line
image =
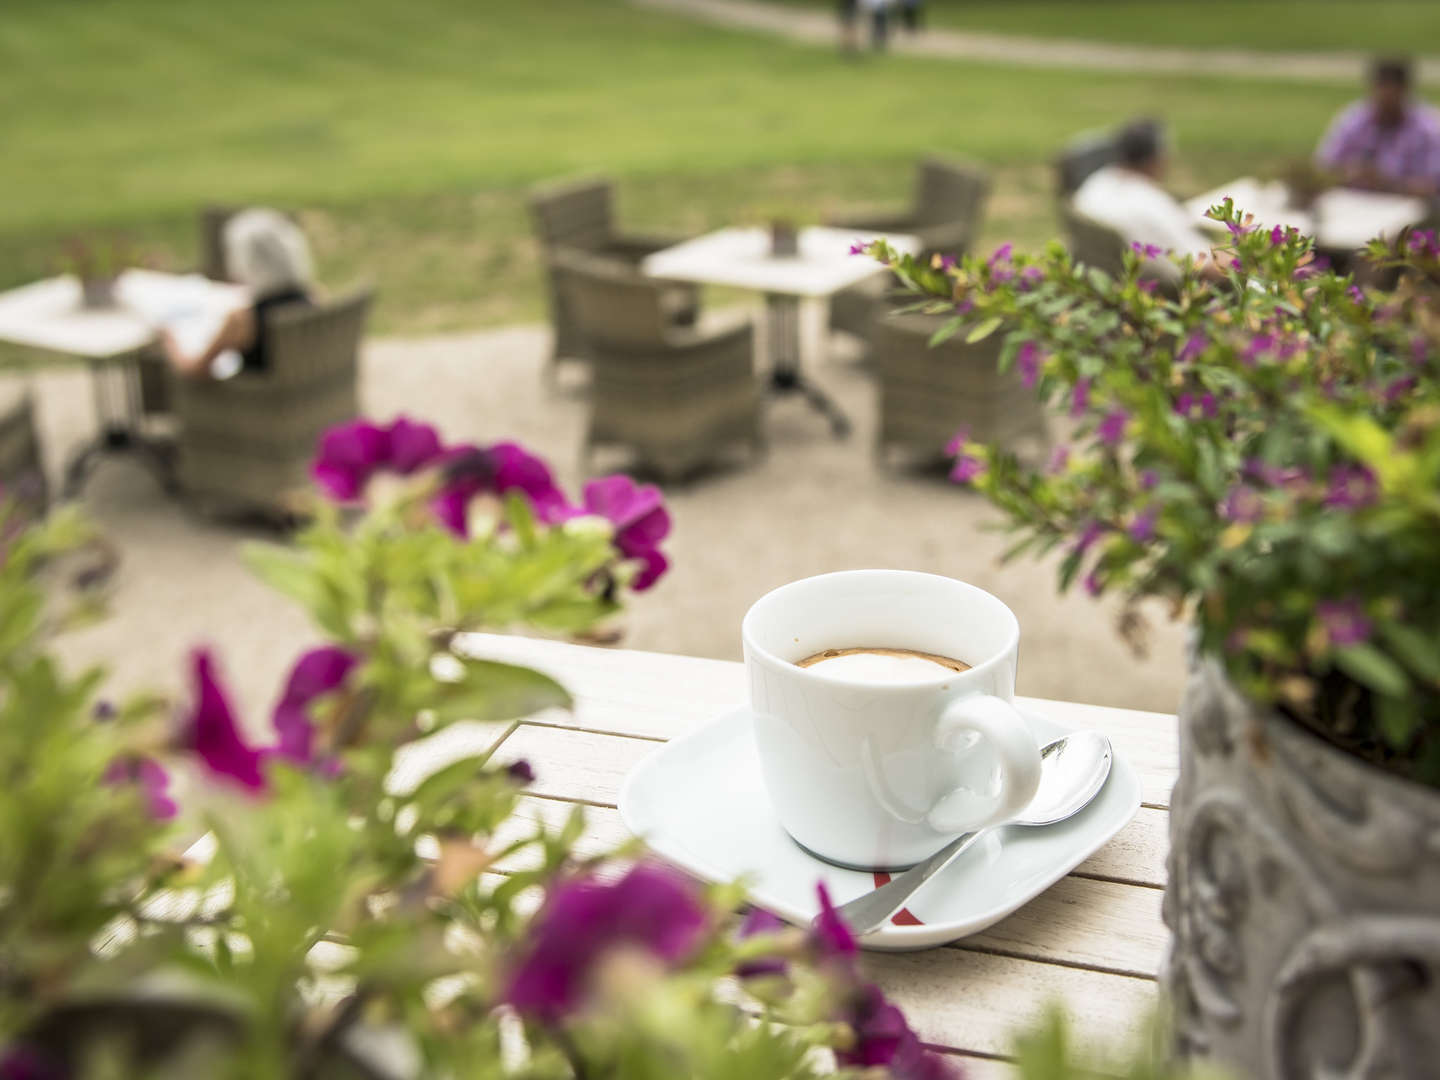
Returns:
<point x="947" y="262"/>
<point x="1093" y="531"/>
<point x="1398" y="388"/>
<point x="1276" y="476"/>
<point x="1147" y="251"/>
<point x="1030" y="277"/>
<point x="1355" y="294"/>
<point x="829" y="935"/>
<point x="1148" y="479"/>
<point x="1351" y="487"/>
<point x="212" y="733"/>
<point x="652" y="908"/>
<point x="1257" y="347"/>
<point x="1093" y="585"/>
<point x="1001" y="254"/>
<point x="641" y="521"/>
<point x="1193" y="347"/>
<point x="1027" y="362"/>
<point x="471" y="471"/>
<point x="957" y="442"/>
<point x="1242" y="504"/>
<point x="1080" y="397"/>
<point x="153" y="781"/>
<point x="1343" y="621"/>
<point x="1236" y="264"/>
<point x="1059" y="459"/>
<point x="759" y="921"/>
<point x="966" y="469"/>
<point x="879" y="1028"/>
<point x="858" y="247"/>
<point x="1147" y="285"/>
<point x="1277" y="236"/>
<point x="1239" y="229"/>
<point x="351" y="454"/>
<point x="316" y="673"/>
<point x="520" y="772"/>
<point x="1142" y="526"/>
<point x="1002" y="275"/>
<point x="1112" y="427"/>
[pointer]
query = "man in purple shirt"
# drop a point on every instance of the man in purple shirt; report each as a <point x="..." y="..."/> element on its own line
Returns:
<point x="1388" y="142"/>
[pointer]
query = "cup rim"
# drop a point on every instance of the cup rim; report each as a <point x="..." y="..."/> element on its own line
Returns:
<point x="1009" y="645"/>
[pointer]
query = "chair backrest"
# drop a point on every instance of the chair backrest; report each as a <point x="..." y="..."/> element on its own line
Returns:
<point x="949" y="191"/>
<point x="213" y="220"/>
<point x="1092" y="242"/>
<point x="903" y="340"/>
<point x="22" y="472"/>
<point x="1082" y="157"/>
<point x="577" y="215"/>
<point x="312" y="343"/>
<point x="613" y="304"/>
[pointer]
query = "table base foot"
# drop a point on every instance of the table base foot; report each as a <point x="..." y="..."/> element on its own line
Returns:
<point x="154" y="456"/>
<point x="787" y="381"/>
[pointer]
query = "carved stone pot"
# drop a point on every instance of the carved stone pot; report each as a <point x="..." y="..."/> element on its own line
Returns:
<point x="1304" y="900"/>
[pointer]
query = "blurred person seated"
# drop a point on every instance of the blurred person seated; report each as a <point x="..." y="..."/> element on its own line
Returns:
<point x="1127" y="197"/>
<point x="266" y="252"/>
<point x="1387" y="142"/>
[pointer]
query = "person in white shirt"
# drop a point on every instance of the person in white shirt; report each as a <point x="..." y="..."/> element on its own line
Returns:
<point x="1127" y="196"/>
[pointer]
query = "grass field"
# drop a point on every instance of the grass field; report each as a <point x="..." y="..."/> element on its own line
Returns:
<point x="1278" y="25"/>
<point x="407" y="133"/>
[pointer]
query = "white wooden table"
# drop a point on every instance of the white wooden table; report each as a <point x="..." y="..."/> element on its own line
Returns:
<point x="742" y="258"/>
<point x="1341" y="219"/>
<point x="49" y="316"/>
<point x="1091" y="943"/>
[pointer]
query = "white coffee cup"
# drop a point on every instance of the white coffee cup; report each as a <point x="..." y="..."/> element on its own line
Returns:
<point x="881" y="775"/>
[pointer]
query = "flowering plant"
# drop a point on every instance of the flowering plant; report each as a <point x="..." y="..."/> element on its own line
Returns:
<point x="357" y="892"/>
<point x="1262" y="454"/>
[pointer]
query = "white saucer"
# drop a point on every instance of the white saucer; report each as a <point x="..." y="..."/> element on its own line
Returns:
<point x="700" y="802"/>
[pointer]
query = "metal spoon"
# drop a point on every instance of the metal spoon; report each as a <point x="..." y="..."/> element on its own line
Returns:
<point x="1073" y="769"/>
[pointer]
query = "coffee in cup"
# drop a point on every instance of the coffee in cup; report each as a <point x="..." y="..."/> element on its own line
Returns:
<point x="871" y="663"/>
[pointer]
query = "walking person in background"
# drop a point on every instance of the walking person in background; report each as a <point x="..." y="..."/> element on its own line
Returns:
<point x="879" y="12"/>
<point x="1389" y="141"/>
<point x="913" y="12"/>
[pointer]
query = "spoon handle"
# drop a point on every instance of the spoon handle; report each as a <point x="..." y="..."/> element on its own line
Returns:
<point x="871" y="911"/>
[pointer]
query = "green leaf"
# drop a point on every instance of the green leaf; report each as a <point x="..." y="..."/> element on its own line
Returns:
<point x="947" y="330"/>
<point x="1418" y="652"/>
<point x="1397" y="719"/>
<point x="1370" y="667"/>
<point x="983" y="330"/>
<point x="489" y="691"/>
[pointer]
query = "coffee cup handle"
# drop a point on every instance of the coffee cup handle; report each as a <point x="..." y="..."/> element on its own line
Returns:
<point x="997" y="722"/>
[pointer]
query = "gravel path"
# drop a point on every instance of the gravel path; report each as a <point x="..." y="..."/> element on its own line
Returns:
<point x="813" y="505"/>
<point x="817" y="27"/>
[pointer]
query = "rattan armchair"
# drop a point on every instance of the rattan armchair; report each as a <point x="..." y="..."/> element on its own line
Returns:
<point x="1092" y="242"/>
<point x="22" y="466"/>
<point x="678" y="397"/>
<point x="1082" y="156"/>
<point x="246" y="443"/>
<point x="580" y="216"/>
<point x="948" y="206"/>
<point x="928" y="394"/>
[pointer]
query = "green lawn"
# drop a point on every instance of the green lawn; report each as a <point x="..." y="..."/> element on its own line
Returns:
<point x="406" y="133"/>
<point x="1279" y="25"/>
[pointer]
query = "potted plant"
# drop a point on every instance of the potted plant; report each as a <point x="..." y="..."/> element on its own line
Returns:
<point x="182" y="896"/>
<point x="98" y="263"/>
<point x="1264" y="458"/>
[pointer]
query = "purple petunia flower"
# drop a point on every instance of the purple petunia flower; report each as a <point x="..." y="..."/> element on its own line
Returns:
<point x="520" y="772"/>
<point x="858" y="247"/>
<point x="1142" y="527"/>
<point x="1112" y="427"/>
<point x="957" y="442"/>
<point x="1147" y="251"/>
<point x="829" y="935"/>
<point x="882" y="1037"/>
<point x="1257" y="347"/>
<point x="316" y="673"/>
<point x="212" y="733"/>
<point x="471" y="471"/>
<point x="1030" y="277"/>
<point x="351" y="454"/>
<point x="1002" y="275"/>
<point x="153" y="781"/>
<point x="1027" y="362"/>
<point x="1088" y="535"/>
<point x="1343" y="621"/>
<point x="1193" y="347"/>
<point x="1277" y="236"/>
<point x="1001" y="254"/>
<point x="412" y="446"/>
<point x="640" y="519"/>
<point x="966" y="469"/>
<point x="1242" y="504"/>
<point x="760" y="921"/>
<point x="1080" y="397"/>
<point x="1236" y="264"/>
<point x="1351" y="487"/>
<point x="651" y="908"/>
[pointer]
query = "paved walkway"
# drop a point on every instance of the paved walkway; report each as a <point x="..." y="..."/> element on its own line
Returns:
<point x="817" y="27"/>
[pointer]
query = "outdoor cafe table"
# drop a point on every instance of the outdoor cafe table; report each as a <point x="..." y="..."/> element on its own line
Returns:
<point x="822" y="266"/>
<point x="1340" y="219"/>
<point x="1090" y="943"/>
<point x="48" y="316"/>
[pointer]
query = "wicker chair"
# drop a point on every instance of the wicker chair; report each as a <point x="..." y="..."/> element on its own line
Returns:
<point x="246" y="443"/>
<point x="1080" y="158"/>
<point x="580" y="216"/>
<point x="1092" y="242"/>
<point x="949" y="202"/>
<point x="927" y="394"/>
<point x="22" y="467"/>
<point x="677" y="396"/>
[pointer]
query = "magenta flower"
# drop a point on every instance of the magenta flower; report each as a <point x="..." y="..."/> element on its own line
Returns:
<point x="1001" y="254"/>
<point x="1093" y="585"/>
<point x="1002" y="275"/>
<point x="1257" y="347"/>
<point x="1196" y="406"/>
<point x="1343" y="621"/>
<point x="352" y="453"/>
<point x="1088" y="535"/>
<point x="1398" y="388"/>
<point x="1148" y="285"/>
<point x="1236" y="264"/>
<point x="153" y="781"/>
<point x="759" y="921"/>
<point x="830" y="937"/>
<point x="879" y="1028"/>
<point x="651" y="908"/>
<point x="1355" y="294"/>
<point x="315" y="674"/>
<point x="1059" y="459"/>
<point x="1027" y="362"/>
<point x="1030" y="277"/>
<point x="1239" y="229"/>
<point x="1147" y="251"/>
<point x="1080" y="397"/>
<point x="212" y="733"/>
<point x="1112" y="427"/>
<point x="1148" y="479"/>
<point x="967" y="469"/>
<point x="858" y="247"/>
<point x="1242" y="504"/>
<point x="1277" y="236"/>
<point x="947" y="262"/>
<point x="1193" y="347"/>
<point x="957" y="442"/>
<point x="521" y="772"/>
<point x="470" y="471"/>
<point x="1142" y="527"/>
<point x="1351" y="487"/>
<point x="640" y="519"/>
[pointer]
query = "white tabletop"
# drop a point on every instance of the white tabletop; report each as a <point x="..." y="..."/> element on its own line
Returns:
<point x="1342" y="218"/>
<point x="741" y="258"/>
<point x="48" y="314"/>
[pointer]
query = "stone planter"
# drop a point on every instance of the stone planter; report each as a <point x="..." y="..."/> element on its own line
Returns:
<point x="1304" y="899"/>
<point x="97" y="293"/>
